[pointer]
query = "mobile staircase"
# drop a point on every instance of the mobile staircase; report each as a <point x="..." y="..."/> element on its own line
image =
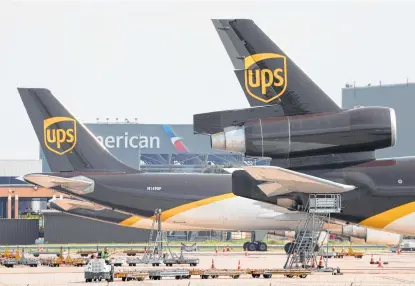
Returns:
<point x="158" y="250"/>
<point x="309" y="231"/>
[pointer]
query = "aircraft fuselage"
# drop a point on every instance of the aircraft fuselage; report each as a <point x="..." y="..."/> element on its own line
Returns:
<point x="383" y="199"/>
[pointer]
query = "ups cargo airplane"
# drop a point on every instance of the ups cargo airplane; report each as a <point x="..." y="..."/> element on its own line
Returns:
<point x="316" y="148"/>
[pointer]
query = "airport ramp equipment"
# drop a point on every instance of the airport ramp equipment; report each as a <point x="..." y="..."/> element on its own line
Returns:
<point x="158" y="250"/>
<point x="215" y="273"/>
<point x="189" y="248"/>
<point x="118" y="261"/>
<point x="174" y="259"/>
<point x="128" y="275"/>
<point x="267" y="273"/>
<point x="177" y="273"/>
<point x="9" y="262"/>
<point x="97" y="270"/>
<point x="31" y="262"/>
<point x="308" y="233"/>
<point x="133" y="261"/>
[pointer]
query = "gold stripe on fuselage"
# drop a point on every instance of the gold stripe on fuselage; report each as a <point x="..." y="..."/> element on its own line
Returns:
<point x="130" y="221"/>
<point x="180" y="209"/>
<point x="382" y="220"/>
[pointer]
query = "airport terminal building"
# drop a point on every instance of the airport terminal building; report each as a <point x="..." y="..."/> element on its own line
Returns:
<point x="400" y="97"/>
<point x="162" y="147"/>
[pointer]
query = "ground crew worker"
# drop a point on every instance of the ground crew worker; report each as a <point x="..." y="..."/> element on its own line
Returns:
<point x="106" y="256"/>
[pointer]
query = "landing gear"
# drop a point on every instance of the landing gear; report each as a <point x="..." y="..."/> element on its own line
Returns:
<point x="255" y="246"/>
<point x="262" y="246"/>
<point x="245" y="246"/>
<point x="290" y="246"/>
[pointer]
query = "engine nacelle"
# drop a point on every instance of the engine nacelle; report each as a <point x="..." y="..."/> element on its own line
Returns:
<point x="360" y="234"/>
<point x="348" y="131"/>
<point x="284" y="233"/>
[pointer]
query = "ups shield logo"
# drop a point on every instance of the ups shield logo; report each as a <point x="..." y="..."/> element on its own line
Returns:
<point x="265" y="84"/>
<point x="59" y="134"/>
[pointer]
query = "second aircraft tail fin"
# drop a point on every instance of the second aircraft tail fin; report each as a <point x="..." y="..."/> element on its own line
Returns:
<point x="267" y="75"/>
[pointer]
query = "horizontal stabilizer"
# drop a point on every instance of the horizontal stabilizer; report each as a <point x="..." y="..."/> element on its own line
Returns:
<point x="70" y="204"/>
<point x="281" y="181"/>
<point x="78" y="184"/>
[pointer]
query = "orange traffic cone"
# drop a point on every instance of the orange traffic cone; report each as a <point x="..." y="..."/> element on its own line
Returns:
<point x="380" y="264"/>
<point x="372" y="261"/>
<point x="320" y="263"/>
<point x="399" y="250"/>
<point x="227" y="249"/>
<point x="217" y="251"/>
<point x="213" y="264"/>
<point x="239" y="265"/>
<point x="313" y="262"/>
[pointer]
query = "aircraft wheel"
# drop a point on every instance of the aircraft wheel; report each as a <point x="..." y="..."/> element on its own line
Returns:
<point x="245" y="246"/>
<point x="262" y="246"/>
<point x="289" y="246"/>
<point x="251" y="246"/>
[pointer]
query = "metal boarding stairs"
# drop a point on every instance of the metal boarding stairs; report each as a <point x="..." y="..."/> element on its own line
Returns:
<point x="308" y="232"/>
<point x="155" y="251"/>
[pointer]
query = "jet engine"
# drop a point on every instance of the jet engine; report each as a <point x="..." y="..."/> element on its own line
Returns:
<point x="355" y="130"/>
<point x="360" y="234"/>
<point x="356" y="234"/>
<point x="283" y="233"/>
